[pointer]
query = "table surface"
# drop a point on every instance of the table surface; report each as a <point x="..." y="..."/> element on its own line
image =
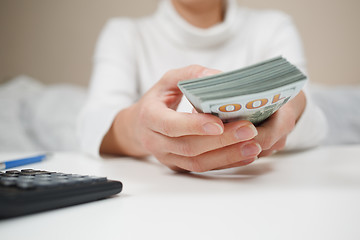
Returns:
<point x="313" y="194"/>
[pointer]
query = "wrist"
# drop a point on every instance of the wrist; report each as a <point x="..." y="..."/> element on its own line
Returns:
<point x="126" y="126"/>
<point x="122" y="138"/>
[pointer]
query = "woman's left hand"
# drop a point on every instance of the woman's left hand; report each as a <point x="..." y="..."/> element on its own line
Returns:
<point x="273" y="132"/>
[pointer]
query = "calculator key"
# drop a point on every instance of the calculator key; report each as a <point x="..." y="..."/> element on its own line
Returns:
<point x="23" y="177"/>
<point x="44" y="183"/>
<point x="8" y="181"/>
<point x="59" y="177"/>
<point x="63" y="181"/>
<point x="10" y="175"/>
<point x="25" y="183"/>
<point x="26" y="174"/>
<point x="12" y="172"/>
<point x="44" y="172"/>
<point x="58" y="174"/>
<point x="42" y="177"/>
<point x="28" y="170"/>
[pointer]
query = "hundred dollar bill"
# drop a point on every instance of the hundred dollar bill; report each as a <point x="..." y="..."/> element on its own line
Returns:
<point x="253" y="93"/>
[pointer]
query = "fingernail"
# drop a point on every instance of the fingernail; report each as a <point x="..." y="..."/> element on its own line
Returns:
<point x="250" y="149"/>
<point x="213" y="128"/>
<point x="246" y="132"/>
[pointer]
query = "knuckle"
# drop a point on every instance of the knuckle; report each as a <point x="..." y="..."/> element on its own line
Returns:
<point x="166" y="127"/>
<point x="221" y="141"/>
<point x="229" y="158"/>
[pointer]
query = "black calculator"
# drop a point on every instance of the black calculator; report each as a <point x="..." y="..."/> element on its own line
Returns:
<point x="29" y="191"/>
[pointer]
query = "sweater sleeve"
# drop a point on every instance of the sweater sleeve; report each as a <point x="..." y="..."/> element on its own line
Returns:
<point x="113" y="84"/>
<point x="284" y="40"/>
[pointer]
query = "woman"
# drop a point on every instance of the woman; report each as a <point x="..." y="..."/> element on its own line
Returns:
<point x="135" y="108"/>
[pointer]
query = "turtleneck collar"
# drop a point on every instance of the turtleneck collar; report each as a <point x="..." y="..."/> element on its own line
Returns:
<point x="184" y="33"/>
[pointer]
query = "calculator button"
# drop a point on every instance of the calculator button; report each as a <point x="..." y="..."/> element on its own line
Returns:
<point x="44" y="183"/>
<point x="44" y="172"/>
<point x="26" y="177"/>
<point x="45" y="177"/>
<point x="25" y="183"/>
<point x="38" y="173"/>
<point x="8" y="181"/>
<point x="63" y="181"/>
<point x="59" y="177"/>
<point x="12" y="172"/>
<point x="26" y="174"/>
<point x="10" y="175"/>
<point x="28" y="170"/>
<point x="58" y="174"/>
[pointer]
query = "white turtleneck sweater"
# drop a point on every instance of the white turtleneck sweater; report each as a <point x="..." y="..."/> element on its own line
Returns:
<point x="133" y="54"/>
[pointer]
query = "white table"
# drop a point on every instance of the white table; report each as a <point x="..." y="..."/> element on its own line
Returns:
<point x="307" y="195"/>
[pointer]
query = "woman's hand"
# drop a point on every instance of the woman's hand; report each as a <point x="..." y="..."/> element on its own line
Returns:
<point x="182" y="141"/>
<point x="195" y="141"/>
<point x="273" y="132"/>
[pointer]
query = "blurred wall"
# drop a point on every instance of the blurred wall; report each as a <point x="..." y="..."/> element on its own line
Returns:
<point x="53" y="40"/>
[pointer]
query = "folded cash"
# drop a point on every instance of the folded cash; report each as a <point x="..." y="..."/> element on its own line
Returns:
<point x="252" y="93"/>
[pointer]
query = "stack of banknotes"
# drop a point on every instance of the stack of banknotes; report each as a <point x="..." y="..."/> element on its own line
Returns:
<point x="252" y="93"/>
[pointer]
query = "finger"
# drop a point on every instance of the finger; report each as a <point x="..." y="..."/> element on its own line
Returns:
<point x="279" y="125"/>
<point x="161" y="118"/>
<point x="276" y="147"/>
<point x="237" y="164"/>
<point x="214" y="159"/>
<point x="279" y="145"/>
<point x="191" y="146"/>
<point x="234" y="165"/>
<point x="177" y="169"/>
<point x="174" y="124"/>
<point x="266" y="153"/>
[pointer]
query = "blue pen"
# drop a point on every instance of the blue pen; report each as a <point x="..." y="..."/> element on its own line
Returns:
<point x="22" y="161"/>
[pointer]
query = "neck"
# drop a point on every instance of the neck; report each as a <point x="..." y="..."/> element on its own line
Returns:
<point x="201" y="13"/>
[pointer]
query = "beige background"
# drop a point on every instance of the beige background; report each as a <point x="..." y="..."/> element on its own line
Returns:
<point x="53" y="40"/>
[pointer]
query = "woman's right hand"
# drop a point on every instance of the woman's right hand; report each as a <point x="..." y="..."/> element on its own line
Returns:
<point x="195" y="142"/>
